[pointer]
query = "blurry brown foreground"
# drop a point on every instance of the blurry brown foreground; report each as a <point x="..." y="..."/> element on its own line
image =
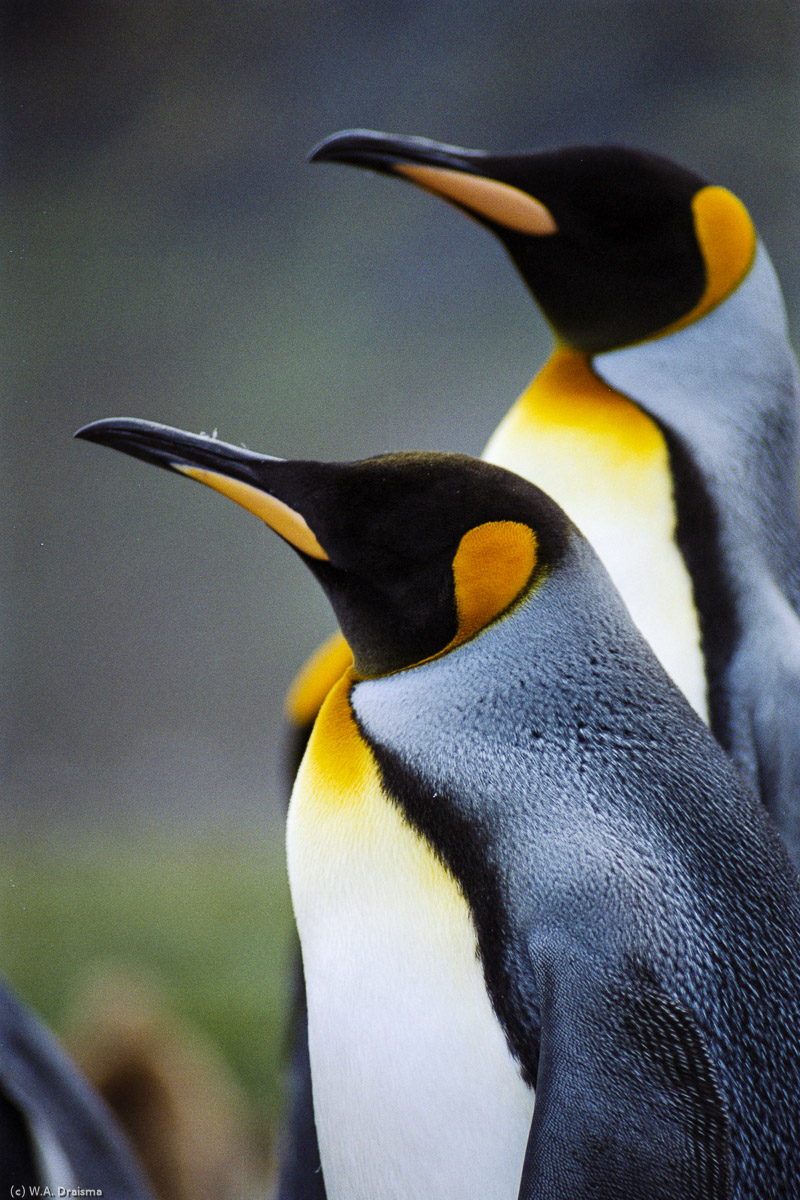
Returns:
<point x="174" y="1096"/>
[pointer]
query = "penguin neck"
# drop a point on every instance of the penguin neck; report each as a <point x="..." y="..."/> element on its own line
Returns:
<point x="605" y="461"/>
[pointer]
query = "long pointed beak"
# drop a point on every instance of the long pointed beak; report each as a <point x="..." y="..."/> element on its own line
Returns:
<point x="386" y="151"/>
<point x="171" y="448"/>
<point x="463" y="177"/>
<point x="239" y="474"/>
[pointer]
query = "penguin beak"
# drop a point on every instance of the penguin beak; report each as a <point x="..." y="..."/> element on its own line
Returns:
<point x="239" y="474"/>
<point x="385" y="151"/>
<point x="459" y="176"/>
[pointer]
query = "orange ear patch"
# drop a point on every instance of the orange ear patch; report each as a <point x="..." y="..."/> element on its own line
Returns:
<point x="492" y="565"/>
<point x="727" y="238"/>
<point x="728" y="243"/>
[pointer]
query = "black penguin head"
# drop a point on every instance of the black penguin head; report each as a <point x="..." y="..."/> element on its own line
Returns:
<point x="616" y="245"/>
<point x="416" y="552"/>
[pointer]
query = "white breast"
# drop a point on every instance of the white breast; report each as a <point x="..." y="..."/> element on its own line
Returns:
<point x="416" y="1095"/>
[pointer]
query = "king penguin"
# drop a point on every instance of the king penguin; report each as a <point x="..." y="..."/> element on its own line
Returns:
<point x="667" y="421"/>
<point x="519" y="861"/>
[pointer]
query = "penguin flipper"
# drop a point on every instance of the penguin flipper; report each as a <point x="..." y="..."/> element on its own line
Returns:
<point x="627" y="1106"/>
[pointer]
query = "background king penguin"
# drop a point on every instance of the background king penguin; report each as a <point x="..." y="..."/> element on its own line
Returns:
<point x="667" y="421"/>
<point x="519" y="862"/>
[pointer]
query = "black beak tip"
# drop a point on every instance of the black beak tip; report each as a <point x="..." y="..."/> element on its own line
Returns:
<point x="141" y="439"/>
<point x="319" y="152"/>
<point x="342" y="146"/>
<point x="383" y="152"/>
<point x="95" y="430"/>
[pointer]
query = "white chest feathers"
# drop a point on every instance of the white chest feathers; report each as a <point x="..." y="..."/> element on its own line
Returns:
<point x="416" y="1095"/>
<point x="606" y="463"/>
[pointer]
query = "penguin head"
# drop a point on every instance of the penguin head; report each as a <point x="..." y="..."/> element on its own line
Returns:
<point x="416" y="552"/>
<point x="616" y="245"/>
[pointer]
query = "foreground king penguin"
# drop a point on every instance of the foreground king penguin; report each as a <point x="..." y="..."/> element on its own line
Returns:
<point x="667" y="421"/>
<point x="518" y="860"/>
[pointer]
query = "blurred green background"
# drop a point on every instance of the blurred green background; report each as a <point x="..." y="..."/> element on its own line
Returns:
<point x="168" y="254"/>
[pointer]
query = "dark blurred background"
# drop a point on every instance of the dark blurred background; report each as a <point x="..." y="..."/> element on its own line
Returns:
<point x="168" y="254"/>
